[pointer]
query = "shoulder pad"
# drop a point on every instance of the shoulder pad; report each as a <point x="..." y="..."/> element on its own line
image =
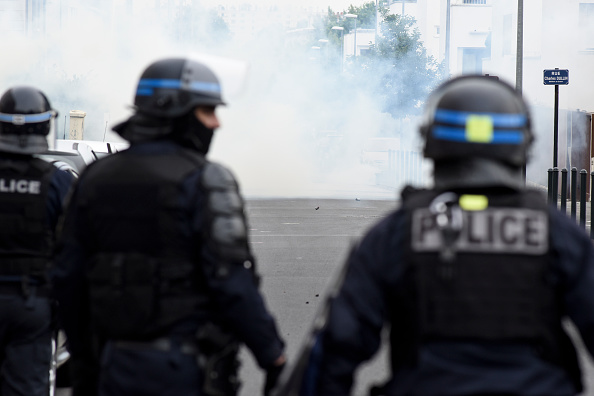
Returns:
<point x="216" y="176"/>
<point x="227" y="228"/>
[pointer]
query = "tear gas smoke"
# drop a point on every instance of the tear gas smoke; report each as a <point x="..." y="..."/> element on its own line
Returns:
<point x="296" y="130"/>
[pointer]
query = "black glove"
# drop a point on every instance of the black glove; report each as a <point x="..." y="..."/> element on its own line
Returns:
<point x="272" y="375"/>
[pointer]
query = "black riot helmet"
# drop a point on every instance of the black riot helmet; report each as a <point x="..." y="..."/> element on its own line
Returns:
<point x="170" y="88"/>
<point x="477" y="130"/>
<point x="25" y="120"/>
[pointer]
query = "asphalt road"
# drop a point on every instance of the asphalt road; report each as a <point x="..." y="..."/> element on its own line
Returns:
<point x="299" y="249"/>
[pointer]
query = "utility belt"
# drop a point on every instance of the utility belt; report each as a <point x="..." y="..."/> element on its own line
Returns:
<point x="162" y="344"/>
<point x="216" y="353"/>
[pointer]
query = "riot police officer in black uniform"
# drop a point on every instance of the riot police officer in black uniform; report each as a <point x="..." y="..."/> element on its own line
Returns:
<point x="474" y="276"/>
<point x="156" y="282"/>
<point x="32" y="192"/>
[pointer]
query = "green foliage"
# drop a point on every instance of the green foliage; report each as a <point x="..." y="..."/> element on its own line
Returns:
<point x="366" y="17"/>
<point x="396" y="68"/>
<point x="406" y="73"/>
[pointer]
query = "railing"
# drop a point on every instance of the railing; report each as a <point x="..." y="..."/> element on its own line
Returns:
<point x="468" y="2"/>
<point x="403" y="167"/>
<point x="401" y="1"/>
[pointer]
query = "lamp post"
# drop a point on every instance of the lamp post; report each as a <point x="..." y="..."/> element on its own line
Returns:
<point x="520" y="46"/>
<point x="355" y="40"/>
<point x="324" y="44"/>
<point x="447" y="39"/>
<point x="520" y="59"/>
<point x="341" y="44"/>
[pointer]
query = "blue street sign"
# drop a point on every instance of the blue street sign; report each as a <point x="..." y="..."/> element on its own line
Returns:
<point x="556" y="77"/>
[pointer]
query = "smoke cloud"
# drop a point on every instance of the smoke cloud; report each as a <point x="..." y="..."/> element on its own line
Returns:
<point x="293" y="127"/>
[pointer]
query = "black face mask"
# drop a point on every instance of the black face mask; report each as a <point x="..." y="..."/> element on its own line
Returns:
<point x="190" y="132"/>
<point x="141" y="127"/>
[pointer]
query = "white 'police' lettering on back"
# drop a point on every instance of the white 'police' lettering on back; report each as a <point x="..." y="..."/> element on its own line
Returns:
<point x="494" y="230"/>
<point x="20" y="186"/>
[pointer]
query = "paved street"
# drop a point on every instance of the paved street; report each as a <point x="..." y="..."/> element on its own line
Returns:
<point x="299" y="248"/>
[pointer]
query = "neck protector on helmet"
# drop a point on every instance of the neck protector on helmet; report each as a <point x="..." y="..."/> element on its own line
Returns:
<point x="141" y="127"/>
<point x="476" y="172"/>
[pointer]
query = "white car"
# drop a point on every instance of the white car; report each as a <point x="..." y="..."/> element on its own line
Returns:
<point x="98" y="148"/>
<point x="74" y="155"/>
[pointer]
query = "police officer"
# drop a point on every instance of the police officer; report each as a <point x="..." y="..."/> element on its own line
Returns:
<point x="156" y="282"/>
<point x="473" y="277"/>
<point x="32" y="192"/>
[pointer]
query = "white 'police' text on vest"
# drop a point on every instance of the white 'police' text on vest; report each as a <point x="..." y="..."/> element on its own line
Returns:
<point x="495" y="230"/>
<point x="20" y="186"/>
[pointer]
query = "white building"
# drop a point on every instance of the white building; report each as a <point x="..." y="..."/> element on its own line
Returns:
<point x="246" y="20"/>
<point x="554" y="36"/>
<point x="358" y="43"/>
<point x="469" y="30"/>
<point x="40" y="18"/>
<point x="21" y="17"/>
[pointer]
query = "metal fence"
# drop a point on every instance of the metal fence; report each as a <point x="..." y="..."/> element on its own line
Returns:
<point x="404" y="167"/>
<point x="573" y="189"/>
<point x="467" y="2"/>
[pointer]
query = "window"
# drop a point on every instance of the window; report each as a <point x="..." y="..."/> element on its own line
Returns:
<point x="364" y="52"/>
<point x="586" y="25"/>
<point x="472" y="62"/>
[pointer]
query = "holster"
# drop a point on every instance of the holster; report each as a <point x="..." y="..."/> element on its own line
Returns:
<point x="217" y="358"/>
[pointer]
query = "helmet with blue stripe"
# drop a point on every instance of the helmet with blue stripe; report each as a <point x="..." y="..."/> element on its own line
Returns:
<point x="170" y="88"/>
<point x="477" y="117"/>
<point x="25" y="120"/>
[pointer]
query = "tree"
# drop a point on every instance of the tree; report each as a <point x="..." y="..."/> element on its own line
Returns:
<point x="396" y="69"/>
<point x="406" y="74"/>
<point x="366" y="19"/>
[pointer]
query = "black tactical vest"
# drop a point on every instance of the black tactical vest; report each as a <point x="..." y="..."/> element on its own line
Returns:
<point x="25" y="236"/>
<point x="142" y="274"/>
<point x="495" y="288"/>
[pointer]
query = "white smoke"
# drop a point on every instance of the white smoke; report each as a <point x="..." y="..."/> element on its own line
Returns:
<point x="296" y="129"/>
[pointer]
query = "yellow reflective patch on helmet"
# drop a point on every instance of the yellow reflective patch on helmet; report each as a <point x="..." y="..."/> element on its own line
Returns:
<point x="479" y="129"/>
<point x="473" y="202"/>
